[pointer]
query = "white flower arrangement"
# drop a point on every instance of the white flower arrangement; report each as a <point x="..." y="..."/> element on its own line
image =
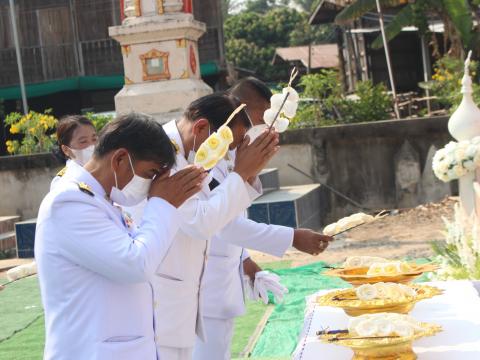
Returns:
<point x="283" y="105"/>
<point x="457" y="159"/>
<point x="390" y="291"/>
<point x="384" y="324"/>
<point x="460" y="254"/>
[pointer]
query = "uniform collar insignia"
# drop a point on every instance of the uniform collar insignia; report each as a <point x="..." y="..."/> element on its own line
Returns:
<point x="62" y="172"/>
<point x="85" y="188"/>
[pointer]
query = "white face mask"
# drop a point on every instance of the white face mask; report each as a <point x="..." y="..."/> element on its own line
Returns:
<point x="134" y="192"/>
<point x="84" y="155"/>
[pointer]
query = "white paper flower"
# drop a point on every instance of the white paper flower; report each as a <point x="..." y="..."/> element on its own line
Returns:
<point x="269" y="116"/>
<point x="330" y="229"/>
<point x="366" y="328"/>
<point x="353" y="323"/>
<point x="281" y="124"/>
<point x="276" y="101"/>
<point x="375" y="269"/>
<point x="404" y="329"/>
<point x="384" y="327"/>
<point x="293" y="93"/>
<point x="290" y="109"/>
<point x="382" y="290"/>
<point x="395" y="292"/>
<point x="366" y="292"/>
<point x="353" y="261"/>
<point x="408" y="291"/>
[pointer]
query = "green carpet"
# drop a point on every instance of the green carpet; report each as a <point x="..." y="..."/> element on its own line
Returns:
<point x="22" y="324"/>
<point x="20" y="304"/>
<point x="25" y="345"/>
<point x="280" y="336"/>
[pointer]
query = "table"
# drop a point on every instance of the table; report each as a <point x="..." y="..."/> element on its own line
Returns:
<point x="457" y="311"/>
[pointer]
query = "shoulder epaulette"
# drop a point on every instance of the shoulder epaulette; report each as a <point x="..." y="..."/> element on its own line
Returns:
<point x="62" y="172"/>
<point x="85" y="189"/>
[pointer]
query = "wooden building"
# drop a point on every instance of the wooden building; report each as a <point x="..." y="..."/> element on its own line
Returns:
<point x="359" y="61"/>
<point x="71" y="64"/>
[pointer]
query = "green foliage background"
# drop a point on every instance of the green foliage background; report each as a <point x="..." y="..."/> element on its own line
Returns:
<point x="252" y="35"/>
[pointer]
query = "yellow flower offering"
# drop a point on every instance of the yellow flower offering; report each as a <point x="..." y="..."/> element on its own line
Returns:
<point x="213" y="141"/>
<point x="201" y="155"/>
<point x="225" y="133"/>
<point x="212" y="150"/>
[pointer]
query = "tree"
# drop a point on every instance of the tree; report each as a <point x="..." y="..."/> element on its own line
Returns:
<point x="230" y="6"/>
<point x="306" y="5"/>
<point x="252" y="37"/>
<point x="456" y="15"/>
<point x="259" y="6"/>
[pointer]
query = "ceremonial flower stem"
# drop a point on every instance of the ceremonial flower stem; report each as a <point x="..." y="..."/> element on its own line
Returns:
<point x="279" y="111"/>
<point x="234" y="113"/>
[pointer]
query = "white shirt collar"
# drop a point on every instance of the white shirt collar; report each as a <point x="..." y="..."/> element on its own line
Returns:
<point x="172" y="132"/>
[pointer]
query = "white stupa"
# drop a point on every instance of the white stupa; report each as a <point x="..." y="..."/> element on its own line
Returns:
<point x="160" y="58"/>
<point x="464" y="124"/>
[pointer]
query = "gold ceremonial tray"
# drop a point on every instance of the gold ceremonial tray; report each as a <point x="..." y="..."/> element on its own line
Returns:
<point x="358" y="276"/>
<point x="348" y="301"/>
<point x="381" y="348"/>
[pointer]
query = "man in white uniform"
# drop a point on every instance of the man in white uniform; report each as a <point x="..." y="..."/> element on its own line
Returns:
<point x="93" y="268"/>
<point x="222" y="291"/>
<point x="178" y="278"/>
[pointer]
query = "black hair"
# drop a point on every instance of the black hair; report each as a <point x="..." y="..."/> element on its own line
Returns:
<point x="216" y="108"/>
<point x="141" y="135"/>
<point x="251" y="89"/>
<point x="65" y="128"/>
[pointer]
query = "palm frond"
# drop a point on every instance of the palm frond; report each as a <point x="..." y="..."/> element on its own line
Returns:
<point x="361" y="7"/>
<point x="403" y="18"/>
<point x="460" y="14"/>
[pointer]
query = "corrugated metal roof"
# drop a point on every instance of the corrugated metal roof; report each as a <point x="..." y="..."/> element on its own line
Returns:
<point x="323" y="56"/>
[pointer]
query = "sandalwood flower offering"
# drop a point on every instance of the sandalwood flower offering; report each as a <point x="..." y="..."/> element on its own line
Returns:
<point x="381" y="336"/>
<point x="360" y="270"/>
<point x="378" y="298"/>
<point x="212" y="150"/>
<point x="347" y="223"/>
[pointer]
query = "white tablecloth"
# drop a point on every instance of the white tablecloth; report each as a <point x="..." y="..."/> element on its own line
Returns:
<point x="457" y="311"/>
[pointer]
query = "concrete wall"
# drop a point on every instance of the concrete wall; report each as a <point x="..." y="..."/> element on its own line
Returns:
<point x="385" y="164"/>
<point x="381" y="165"/>
<point x="24" y="181"/>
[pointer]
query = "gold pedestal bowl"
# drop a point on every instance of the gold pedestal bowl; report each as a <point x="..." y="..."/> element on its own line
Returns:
<point x="347" y="300"/>
<point x="358" y="276"/>
<point x="381" y="348"/>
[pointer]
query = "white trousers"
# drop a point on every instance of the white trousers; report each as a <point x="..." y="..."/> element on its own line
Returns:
<point x="171" y="353"/>
<point x="219" y="334"/>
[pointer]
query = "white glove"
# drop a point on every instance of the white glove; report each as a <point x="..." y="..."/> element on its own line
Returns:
<point x="266" y="281"/>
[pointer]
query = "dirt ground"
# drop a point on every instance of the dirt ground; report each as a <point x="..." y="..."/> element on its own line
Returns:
<point x="406" y="232"/>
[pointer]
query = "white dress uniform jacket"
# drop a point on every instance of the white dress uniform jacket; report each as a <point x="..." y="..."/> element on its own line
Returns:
<point x="94" y="271"/>
<point x="222" y="290"/>
<point x="178" y="278"/>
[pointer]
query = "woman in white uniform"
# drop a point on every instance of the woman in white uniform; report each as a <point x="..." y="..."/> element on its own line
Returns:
<point x="76" y="136"/>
